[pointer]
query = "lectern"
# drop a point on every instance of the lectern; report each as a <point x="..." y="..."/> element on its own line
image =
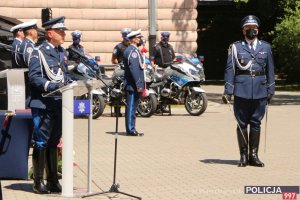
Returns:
<point x="16" y="128"/>
<point x="15" y="88"/>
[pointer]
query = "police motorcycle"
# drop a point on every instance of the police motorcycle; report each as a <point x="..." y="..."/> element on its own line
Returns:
<point x="85" y="70"/>
<point x="192" y="65"/>
<point x="147" y="103"/>
<point x="180" y="84"/>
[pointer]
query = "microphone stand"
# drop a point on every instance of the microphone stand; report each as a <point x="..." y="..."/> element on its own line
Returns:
<point x="115" y="186"/>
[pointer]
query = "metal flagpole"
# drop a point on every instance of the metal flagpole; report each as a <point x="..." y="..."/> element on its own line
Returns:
<point x="90" y="120"/>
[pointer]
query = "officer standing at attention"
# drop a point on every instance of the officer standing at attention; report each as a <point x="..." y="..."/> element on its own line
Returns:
<point x="117" y="55"/>
<point x="134" y="81"/>
<point x="47" y="72"/>
<point x="27" y="45"/>
<point x="18" y="38"/>
<point x="162" y="52"/>
<point x="249" y="76"/>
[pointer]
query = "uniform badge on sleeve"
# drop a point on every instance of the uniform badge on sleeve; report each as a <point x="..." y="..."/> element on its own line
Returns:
<point x="134" y="55"/>
<point x="115" y="51"/>
<point x="29" y="50"/>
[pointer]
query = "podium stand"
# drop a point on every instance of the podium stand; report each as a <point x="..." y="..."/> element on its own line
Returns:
<point x="77" y="88"/>
<point x="14" y="140"/>
<point x="15" y="88"/>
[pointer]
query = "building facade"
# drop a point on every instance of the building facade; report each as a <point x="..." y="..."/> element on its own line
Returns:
<point x="101" y="21"/>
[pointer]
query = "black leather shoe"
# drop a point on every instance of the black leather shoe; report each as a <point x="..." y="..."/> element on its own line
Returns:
<point x="40" y="188"/>
<point x="135" y="133"/>
<point x="254" y="160"/>
<point x="53" y="187"/>
<point x="243" y="161"/>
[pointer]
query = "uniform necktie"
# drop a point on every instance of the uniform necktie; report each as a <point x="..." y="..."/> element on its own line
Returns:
<point x="252" y="48"/>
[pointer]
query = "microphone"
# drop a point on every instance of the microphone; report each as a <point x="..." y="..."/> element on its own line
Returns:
<point x="73" y="50"/>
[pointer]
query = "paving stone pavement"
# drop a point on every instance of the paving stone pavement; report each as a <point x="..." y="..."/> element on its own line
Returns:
<point x="182" y="157"/>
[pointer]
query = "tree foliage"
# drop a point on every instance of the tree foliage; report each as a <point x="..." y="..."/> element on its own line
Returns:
<point x="286" y="40"/>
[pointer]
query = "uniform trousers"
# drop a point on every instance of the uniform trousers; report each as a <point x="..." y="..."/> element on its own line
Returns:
<point x="249" y="112"/>
<point x="132" y="100"/>
<point x="47" y="127"/>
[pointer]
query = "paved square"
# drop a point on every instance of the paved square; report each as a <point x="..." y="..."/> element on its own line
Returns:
<point x="182" y="157"/>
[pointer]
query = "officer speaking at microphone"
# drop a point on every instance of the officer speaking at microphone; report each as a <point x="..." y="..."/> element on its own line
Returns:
<point x="134" y="81"/>
<point x="47" y="72"/>
<point x="249" y="76"/>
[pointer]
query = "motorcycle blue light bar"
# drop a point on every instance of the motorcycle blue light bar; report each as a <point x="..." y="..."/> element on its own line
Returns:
<point x="81" y="107"/>
<point x="147" y="61"/>
<point x="195" y="61"/>
<point x="179" y="58"/>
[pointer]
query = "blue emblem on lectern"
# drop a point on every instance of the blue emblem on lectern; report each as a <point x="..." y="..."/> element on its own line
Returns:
<point x="81" y="107"/>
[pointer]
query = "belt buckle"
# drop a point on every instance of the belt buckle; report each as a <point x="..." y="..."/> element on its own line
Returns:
<point x="252" y="73"/>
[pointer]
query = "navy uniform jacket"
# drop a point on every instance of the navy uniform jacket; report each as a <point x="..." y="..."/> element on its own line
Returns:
<point x="118" y="51"/>
<point x="134" y="72"/>
<point x="247" y="86"/>
<point x="14" y="55"/>
<point x="25" y="52"/>
<point x="39" y="78"/>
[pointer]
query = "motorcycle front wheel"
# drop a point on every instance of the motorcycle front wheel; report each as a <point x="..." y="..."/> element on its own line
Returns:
<point x="196" y="103"/>
<point x="98" y="105"/>
<point x="147" y="105"/>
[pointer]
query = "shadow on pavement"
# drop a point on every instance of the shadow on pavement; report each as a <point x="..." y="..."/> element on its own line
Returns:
<point x="119" y="133"/>
<point x="277" y="100"/>
<point x="26" y="187"/>
<point x="219" y="161"/>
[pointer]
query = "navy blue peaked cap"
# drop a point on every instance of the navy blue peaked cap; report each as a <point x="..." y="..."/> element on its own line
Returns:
<point x="56" y="23"/>
<point x="250" y="20"/>
<point x="165" y="34"/>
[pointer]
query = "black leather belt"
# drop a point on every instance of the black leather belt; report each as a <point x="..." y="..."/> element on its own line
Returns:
<point x="250" y="73"/>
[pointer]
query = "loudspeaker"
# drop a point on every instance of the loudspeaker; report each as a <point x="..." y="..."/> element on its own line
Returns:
<point x="46" y="14"/>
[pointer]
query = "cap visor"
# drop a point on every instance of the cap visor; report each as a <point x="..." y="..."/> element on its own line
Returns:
<point x="247" y="24"/>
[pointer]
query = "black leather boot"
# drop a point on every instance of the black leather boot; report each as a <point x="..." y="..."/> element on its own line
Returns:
<point x="38" y="162"/>
<point x="253" y="145"/>
<point x="243" y="146"/>
<point x="53" y="184"/>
